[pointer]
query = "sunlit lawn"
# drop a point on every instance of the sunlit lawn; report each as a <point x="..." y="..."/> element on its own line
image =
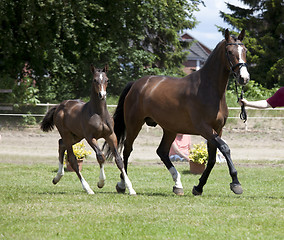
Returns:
<point x="33" y="208"/>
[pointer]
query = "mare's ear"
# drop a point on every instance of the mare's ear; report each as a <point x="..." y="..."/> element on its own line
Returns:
<point x="227" y="34"/>
<point x="105" y="68"/>
<point x="242" y="35"/>
<point x="93" y="69"/>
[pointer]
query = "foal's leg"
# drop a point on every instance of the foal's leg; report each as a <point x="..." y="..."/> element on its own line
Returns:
<point x="163" y="152"/>
<point x="60" y="173"/>
<point x="112" y="142"/>
<point x="74" y="164"/>
<point x="100" y="158"/>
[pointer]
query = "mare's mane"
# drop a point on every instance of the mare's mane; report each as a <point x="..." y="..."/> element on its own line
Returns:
<point x="213" y="53"/>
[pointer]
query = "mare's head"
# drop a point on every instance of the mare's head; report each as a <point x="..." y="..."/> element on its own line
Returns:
<point x="100" y="81"/>
<point x="236" y="55"/>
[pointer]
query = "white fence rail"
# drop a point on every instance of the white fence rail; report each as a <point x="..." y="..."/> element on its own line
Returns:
<point x="49" y="105"/>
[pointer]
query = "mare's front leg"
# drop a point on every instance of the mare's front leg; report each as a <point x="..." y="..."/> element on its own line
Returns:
<point x="213" y="144"/>
<point x="100" y="158"/>
<point x="112" y="142"/>
<point x="235" y="185"/>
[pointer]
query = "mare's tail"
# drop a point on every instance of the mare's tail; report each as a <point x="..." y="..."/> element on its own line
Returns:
<point x="118" y="118"/>
<point x="47" y="123"/>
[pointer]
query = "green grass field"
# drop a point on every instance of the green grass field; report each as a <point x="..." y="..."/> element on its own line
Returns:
<point x="33" y="208"/>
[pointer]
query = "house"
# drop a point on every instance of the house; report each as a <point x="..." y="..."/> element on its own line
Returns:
<point x="198" y="54"/>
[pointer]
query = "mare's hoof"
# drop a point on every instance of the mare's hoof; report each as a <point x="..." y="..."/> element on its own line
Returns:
<point x="119" y="190"/>
<point x="195" y="192"/>
<point x="54" y="181"/>
<point x="178" y="191"/>
<point x="236" y="188"/>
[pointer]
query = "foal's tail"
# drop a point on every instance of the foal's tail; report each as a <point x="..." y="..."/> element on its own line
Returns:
<point x="118" y="118"/>
<point x="47" y="123"/>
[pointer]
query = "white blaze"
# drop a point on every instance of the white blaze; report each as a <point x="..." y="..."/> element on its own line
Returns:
<point x="102" y="90"/>
<point x="243" y="70"/>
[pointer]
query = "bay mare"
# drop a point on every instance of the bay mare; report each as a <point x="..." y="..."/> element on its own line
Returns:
<point x="76" y="120"/>
<point x="194" y="104"/>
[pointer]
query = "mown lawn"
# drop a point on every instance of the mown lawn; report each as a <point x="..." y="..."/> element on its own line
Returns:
<point x="33" y="208"/>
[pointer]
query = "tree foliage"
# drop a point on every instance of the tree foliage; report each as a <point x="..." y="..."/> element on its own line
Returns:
<point x="60" y="39"/>
<point x="264" y="24"/>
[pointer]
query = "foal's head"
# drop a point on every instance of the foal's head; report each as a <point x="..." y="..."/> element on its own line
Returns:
<point x="100" y="81"/>
<point x="236" y="54"/>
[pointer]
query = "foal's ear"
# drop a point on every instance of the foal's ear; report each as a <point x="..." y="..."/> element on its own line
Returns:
<point x="93" y="69"/>
<point x="227" y="34"/>
<point x="105" y="68"/>
<point x="242" y="35"/>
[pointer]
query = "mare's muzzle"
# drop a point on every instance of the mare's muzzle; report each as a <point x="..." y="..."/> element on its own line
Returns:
<point x="242" y="74"/>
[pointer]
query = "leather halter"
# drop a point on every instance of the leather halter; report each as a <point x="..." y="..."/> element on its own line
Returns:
<point x="233" y="67"/>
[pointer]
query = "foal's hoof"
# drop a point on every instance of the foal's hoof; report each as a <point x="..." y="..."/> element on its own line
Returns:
<point x="100" y="184"/>
<point x="132" y="193"/>
<point x="236" y="188"/>
<point x="195" y="192"/>
<point x="178" y="191"/>
<point x="119" y="190"/>
<point x="54" y="181"/>
<point x="90" y="191"/>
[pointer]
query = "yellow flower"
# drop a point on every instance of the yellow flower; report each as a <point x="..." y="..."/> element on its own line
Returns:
<point x="199" y="153"/>
<point x="79" y="150"/>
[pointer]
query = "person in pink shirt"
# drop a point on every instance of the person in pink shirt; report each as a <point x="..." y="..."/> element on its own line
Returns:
<point x="179" y="150"/>
<point x="277" y="100"/>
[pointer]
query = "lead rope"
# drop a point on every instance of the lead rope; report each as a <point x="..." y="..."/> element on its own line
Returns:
<point x="243" y="114"/>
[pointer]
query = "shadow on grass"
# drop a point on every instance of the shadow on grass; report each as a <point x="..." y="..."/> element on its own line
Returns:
<point x="187" y="172"/>
<point x="206" y="195"/>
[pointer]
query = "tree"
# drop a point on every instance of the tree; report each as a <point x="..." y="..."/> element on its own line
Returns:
<point x="264" y="24"/>
<point x="60" y="39"/>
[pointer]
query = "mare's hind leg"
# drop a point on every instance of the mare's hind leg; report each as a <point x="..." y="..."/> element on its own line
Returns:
<point x="100" y="158"/>
<point x="163" y="152"/>
<point x="133" y="127"/>
<point x="112" y="142"/>
<point x="60" y="173"/>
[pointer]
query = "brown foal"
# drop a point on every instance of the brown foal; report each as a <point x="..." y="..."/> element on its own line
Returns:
<point x="76" y="120"/>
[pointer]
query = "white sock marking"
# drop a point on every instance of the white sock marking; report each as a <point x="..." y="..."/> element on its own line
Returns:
<point x="176" y="177"/>
<point x="128" y="183"/>
<point x="86" y="186"/>
<point x="102" y="177"/>
<point x="59" y="174"/>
